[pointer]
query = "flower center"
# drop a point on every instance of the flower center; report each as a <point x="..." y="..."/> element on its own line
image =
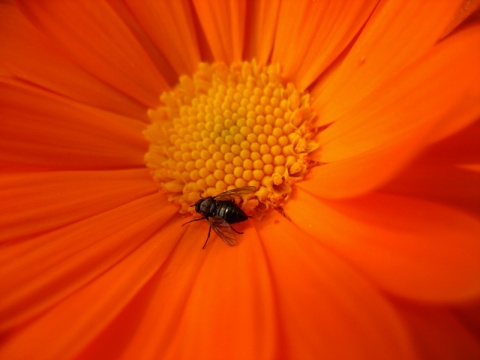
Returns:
<point x="229" y="127"/>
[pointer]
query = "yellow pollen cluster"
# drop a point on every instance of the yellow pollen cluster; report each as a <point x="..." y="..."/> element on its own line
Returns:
<point x="227" y="127"/>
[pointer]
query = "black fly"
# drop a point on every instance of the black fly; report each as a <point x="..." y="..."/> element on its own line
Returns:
<point x="221" y="211"/>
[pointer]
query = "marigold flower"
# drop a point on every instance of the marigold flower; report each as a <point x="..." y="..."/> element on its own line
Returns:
<point x="355" y="122"/>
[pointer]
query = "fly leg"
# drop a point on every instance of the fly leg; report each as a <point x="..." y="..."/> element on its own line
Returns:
<point x="208" y="236"/>
<point x="238" y="232"/>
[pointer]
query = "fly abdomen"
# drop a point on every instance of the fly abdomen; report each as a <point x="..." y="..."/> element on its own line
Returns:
<point x="230" y="212"/>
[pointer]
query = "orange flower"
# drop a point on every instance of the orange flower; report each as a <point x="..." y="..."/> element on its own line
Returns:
<point x="374" y="250"/>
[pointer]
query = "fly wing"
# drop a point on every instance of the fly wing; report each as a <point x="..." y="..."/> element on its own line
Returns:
<point x="223" y="229"/>
<point x="228" y="195"/>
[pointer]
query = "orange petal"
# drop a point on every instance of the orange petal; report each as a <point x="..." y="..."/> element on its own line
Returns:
<point x="438" y="334"/>
<point x="268" y="297"/>
<point x="99" y="41"/>
<point x="28" y="52"/>
<point x="324" y="303"/>
<point x="442" y="173"/>
<point x="233" y="290"/>
<point x="175" y="37"/>
<point x="312" y="34"/>
<point x="42" y="130"/>
<point x="214" y="287"/>
<point x="410" y="247"/>
<point x="38" y="202"/>
<point x="262" y="17"/>
<point x="468" y="9"/>
<point x="223" y="23"/>
<point x="421" y="94"/>
<point x="362" y="173"/>
<point x="93" y="268"/>
<point x="397" y="34"/>
<point x="375" y="139"/>
<point x="469" y="315"/>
